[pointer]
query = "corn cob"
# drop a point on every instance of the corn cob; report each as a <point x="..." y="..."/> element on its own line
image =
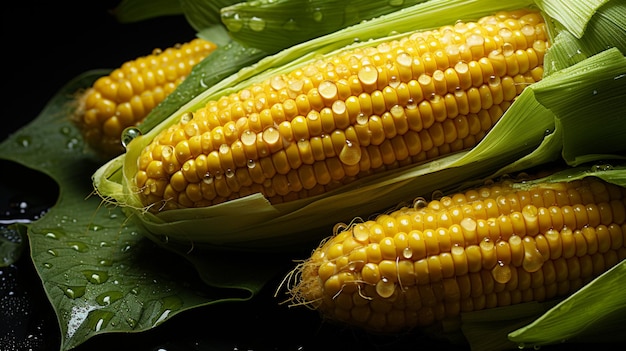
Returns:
<point x="363" y="111"/>
<point x="492" y="246"/>
<point x="125" y="97"/>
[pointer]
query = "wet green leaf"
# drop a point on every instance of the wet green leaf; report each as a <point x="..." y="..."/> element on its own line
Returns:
<point x="98" y="270"/>
<point x="11" y="244"/>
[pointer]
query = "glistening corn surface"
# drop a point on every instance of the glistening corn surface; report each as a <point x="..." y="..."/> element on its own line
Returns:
<point x="341" y="118"/>
<point x="125" y="97"/>
<point x="488" y="247"/>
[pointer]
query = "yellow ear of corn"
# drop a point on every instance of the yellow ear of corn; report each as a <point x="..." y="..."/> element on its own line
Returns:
<point x="493" y="246"/>
<point x="345" y="117"/>
<point x="125" y="97"/>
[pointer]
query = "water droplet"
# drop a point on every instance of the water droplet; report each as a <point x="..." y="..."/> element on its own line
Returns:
<point x="368" y="75"/>
<point x="291" y="24"/>
<point x="328" y="89"/>
<point x="131" y="322"/>
<point x="494" y="81"/>
<point x="385" y="288"/>
<point x="533" y="260"/>
<point x="65" y="130"/>
<point x="208" y="178"/>
<point x="72" y="144"/>
<point x="96" y="277"/>
<point x="501" y="273"/>
<point x="232" y="21"/>
<point x="129" y="134"/>
<point x="95" y="227"/>
<point x="24" y="140"/>
<point x="248" y="137"/>
<point x="407" y="253"/>
<point x="271" y="135"/>
<point x="256" y="24"/>
<point x="350" y="153"/>
<point x="420" y="202"/>
<point x="52" y="252"/>
<point x="277" y="82"/>
<point x="105" y="262"/>
<point x="109" y="297"/>
<point x="394" y="82"/>
<point x="168" y="304"/>
<point x="251" y="163"/>
<point x="508" y="49"/>
<point x="54" y="234"/>
<point x="73" y="291"/>
<point x="78" y="246"/>
<point x="318" y="16"/>
<point x="475" y="40"/>
<point x="362" y="118"/>
<point x="361" y="233"/>
<point x="411" y="104"/>
<point x="601" y="167"/>
<point x="435" y="98"/>
<point x="47" y="265"/>
<point x="99" y="319"/>
<point x="404" y="59"/>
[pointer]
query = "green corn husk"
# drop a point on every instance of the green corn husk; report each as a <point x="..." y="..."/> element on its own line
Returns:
<point x="536" y="129"/>
<point x="272" y="25"/>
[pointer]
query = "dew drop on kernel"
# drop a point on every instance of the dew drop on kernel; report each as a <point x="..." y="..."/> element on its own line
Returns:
<point x="248" y="137"/>
<point x="350" y="153"/>
<point x="494" y="81"/>
<point x="208" y="178"/>
<point x="360" y="232"/>
<point x="368" y="75"/>
<point x="271" y="135"/>
<point x="501" y="273"/>
<point x="385" y="288"/>
<point x="186" y="118"/>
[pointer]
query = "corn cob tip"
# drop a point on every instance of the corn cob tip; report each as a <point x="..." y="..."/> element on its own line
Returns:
<point x="498" y="245"/>
<point x="126" y="96"/>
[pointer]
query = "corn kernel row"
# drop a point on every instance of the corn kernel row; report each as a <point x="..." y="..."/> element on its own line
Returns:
<point x="365" y="110"/>
<point x="125" y="97"/>
<point x="488" y="247"/>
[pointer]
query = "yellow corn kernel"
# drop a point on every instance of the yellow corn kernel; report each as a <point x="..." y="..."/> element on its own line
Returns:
<point x="431" y="273"/>
<point x="126" y="96"/>
<point x="363" y="111"/>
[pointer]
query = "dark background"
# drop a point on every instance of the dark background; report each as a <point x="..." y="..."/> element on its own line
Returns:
<point x="47" y="43"/>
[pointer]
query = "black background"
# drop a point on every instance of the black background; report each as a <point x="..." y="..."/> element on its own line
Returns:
<point x="47" y="43"/>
